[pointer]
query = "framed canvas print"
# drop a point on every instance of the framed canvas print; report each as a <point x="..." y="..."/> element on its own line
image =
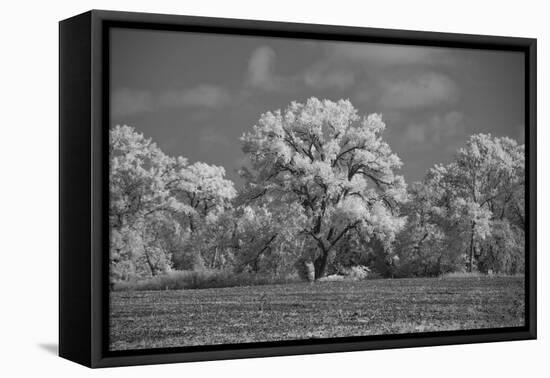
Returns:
<point x="233" y="188"/>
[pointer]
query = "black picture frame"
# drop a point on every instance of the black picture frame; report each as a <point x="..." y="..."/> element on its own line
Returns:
<point x="83" y="195"/>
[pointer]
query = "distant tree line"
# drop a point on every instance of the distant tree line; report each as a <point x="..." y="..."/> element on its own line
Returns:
<point x="322" y="193"/>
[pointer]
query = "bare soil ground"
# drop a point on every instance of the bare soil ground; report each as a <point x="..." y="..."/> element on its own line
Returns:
<point x="155" y="319"/>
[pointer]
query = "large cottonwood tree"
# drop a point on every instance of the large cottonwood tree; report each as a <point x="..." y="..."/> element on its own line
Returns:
<point x="332" y="162"/>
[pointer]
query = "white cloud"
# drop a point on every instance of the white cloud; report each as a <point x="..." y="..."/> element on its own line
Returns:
<point x="348" y="65"/>
<point x="127" y="102"/>
<point x="323" y="77"/>
<point x="437" y="129"/>
<point x="345" y="65"/>
<point x="261" y="74"/>
<point x="386" y="55"/>
<point x="260" y="70"/>
<point x="424" y="90"/>
<point x="208" y="96"/>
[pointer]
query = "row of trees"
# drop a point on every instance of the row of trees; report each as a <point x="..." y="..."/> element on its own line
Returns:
<point x="321" y="190"/>
<point x="470" y="212"/>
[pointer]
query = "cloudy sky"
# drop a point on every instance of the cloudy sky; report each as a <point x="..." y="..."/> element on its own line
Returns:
<point x="196" y="94"/>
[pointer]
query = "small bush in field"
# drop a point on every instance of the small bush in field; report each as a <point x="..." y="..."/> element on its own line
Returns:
<point x="358" y="273"/>
<point x="332" y="278"/>
<point x="355" y="273"/>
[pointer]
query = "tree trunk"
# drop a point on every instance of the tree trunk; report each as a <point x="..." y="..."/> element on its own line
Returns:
<point x="471" y="262"/>
<point x="215" y="258"/>
<point x="150" y="263"/>
<point x="321" y="264"/>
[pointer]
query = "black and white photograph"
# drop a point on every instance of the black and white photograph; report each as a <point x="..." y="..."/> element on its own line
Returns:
<point x="275" y="189"/>
<point x="269" y="189"/>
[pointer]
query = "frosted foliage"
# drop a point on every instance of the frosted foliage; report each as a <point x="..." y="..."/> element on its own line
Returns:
<point x="322" y="194"/>
<point x="472" y="200"/>
<point x="334" y="163"/>
<point x="155" y="202"/>
<point x="257" y="238"/>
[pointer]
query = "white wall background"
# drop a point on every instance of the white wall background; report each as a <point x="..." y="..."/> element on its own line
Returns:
<point x="29" y="174"/>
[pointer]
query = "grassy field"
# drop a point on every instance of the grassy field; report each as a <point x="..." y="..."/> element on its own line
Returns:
<point x="154" y="319"/>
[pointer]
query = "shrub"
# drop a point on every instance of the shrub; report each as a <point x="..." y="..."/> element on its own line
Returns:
<point x="355" y="273"/>
<point x="201" y="279"/>
<point x="332" y="278"/>
<point x="358" y="273"/>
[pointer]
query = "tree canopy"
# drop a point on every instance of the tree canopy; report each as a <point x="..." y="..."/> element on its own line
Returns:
<point x="156" y="202"/>
<point x="322" y="191"/>
<point x="323" y="156"/>
<point x="476" y="201"/>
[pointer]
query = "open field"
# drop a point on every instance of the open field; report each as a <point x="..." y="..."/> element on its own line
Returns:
<point x="154" y="319"/>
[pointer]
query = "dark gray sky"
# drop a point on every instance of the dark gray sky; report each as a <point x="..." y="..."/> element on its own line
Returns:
<point x="196" y="94"/>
